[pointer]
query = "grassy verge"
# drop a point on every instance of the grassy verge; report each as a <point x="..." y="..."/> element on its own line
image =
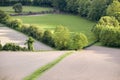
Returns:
<point x="44" y="68"/>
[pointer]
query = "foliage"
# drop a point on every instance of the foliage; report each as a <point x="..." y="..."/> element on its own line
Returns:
<point x="46" y="3"/>
<point x="72" y="6"/>
<point x="61" y="37"/>
<point x="4" y="17"/>
<point x="27" y="9"/>
<point x="72" y="22"/>
<point x="0" y="46"/>
<point x="13" y="47"/>
<point x="107" y="31"/>
<point x="17" y="7"/>
<point x="113" y="8"/>
<point x="59" y="4"/>
<point x="83" y="7"/>
<point x="79" y="41"/>
<point x="48" y="38"/>
<point x="110" y="36"/>
<point x="108" y="20"/>
<point x="35" y="32"/>
<point x="117" y="16"/>
<point x="97" y="9"/>
<point x="96" y="30"/>
<point x="29" y="43"/>
<point x="15" y="23"/>
<point x="92" y="9"/>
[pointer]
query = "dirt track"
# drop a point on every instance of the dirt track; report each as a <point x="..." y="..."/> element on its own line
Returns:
<point x="17" y="65"/>
<point x="95" y="63"/>
<point x="8" y="35"/>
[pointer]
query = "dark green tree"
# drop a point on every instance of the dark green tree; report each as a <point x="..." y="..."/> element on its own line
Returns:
<point x="72" y="6"/>
<point x="97" y="9"/>
<point x="83" y="7"/>
<point x="0" y="46"/>
<point x="59" y="4"/>
<point x="17" y="7"/>
<point x="48" y="37"/>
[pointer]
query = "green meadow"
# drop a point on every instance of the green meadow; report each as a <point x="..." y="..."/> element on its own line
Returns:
<point x="72" y="22"/>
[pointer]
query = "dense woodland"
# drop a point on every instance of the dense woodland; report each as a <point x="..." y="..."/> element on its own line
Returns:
<point x="92" y="9"/>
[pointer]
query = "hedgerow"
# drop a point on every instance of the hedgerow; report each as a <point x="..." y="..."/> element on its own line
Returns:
<point x="61" y="38"/>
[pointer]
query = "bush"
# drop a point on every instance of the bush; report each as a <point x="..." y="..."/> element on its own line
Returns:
<point x="35" y="32"/>
<point x="107" y="31"/>
<point x="13" y="47"/>
<point x="48" y="38"/>
<point x="4" y="17"/>
<point x="0" y="47"/>
<point x="96" y="30"/>
<point x="105" y="21"/>
<point x="110" y="36"/>
<point x="25" y="28"/>
<point x="17" y="7"/>
<point x="15" y="24"/>
<point x="79" y="41"/>
<point x="61" y="38"/>
<point x="108" y="20"/>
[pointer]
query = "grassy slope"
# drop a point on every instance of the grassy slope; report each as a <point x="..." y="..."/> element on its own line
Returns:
<point x="50" y="21"/>
<point x="9" y="9"/>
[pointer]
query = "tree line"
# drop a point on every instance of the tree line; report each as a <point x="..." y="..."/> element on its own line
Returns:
<point x="91" y="9"/>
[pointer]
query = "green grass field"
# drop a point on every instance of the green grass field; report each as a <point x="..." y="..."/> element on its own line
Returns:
<point x="9" y="9"/>
<point x="50" y="21"/>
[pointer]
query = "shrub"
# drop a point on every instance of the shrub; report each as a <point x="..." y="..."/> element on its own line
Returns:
<point x="0" y="47"/>
<point x="12" y="47"/>
<point x="61" y="38"/>
<point x="17" y="7"/>
<point x="105" y="21"/>
<point x="79" y="41"/>
<point x="16" y="23"/>
<point x="48" y="37"/>
<point x="35" y="32"/>
<point x="96" y="30"/>
<point x="108" y="20"/>
<point x="4" y="17"/>
<point x="110" y="36"/>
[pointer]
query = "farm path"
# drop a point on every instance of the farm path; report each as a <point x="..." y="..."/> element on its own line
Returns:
<point x="17" y="65"/>
<point x="8" y="35"/>
<point x="94" y="63"/>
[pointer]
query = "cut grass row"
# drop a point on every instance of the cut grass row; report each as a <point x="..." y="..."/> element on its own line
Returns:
<point x="44" y="68"/>
<point x="72" y="22"/>
<point x="26" y="9"/>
